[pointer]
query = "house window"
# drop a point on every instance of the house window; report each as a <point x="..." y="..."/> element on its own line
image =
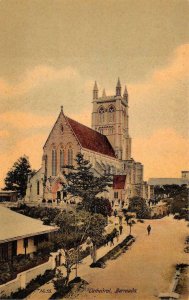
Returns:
<point x="111" y="114"/>
<point x="101" y="114"/>
<point x="36" y="240"/>
<point x="61" y="159"/>
<point x="54" y="162"/>
<point x="116" y="195"/>
<point x="70" y="157"/>
<point x="38" y="187"/>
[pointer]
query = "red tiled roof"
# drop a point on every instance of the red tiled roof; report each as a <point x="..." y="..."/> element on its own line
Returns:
<point x="91" y="139"/>
<point x="119" y="181"/>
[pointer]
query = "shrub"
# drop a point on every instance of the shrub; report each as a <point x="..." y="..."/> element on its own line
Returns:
<point x="140" y="221"/>
<point x="60" y="283"/>
<point x="139" y="206"/>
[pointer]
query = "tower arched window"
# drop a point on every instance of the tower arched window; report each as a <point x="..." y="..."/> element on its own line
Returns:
<point x="70" y="157"/>
<point x="61" y="159"/>
<point x="38" y="187"/>
<point x="101" y="114"/>
<point x="54" y="162"/>
<point x="111" y="114"/>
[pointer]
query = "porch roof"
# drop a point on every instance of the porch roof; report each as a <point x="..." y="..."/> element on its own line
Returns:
<point x="15" y="226"/>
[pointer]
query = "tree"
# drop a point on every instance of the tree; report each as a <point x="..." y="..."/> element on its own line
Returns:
<point x="81" y="181"/>
<point x="179" y="203"/>
<point x="75" y="229"/>
<point x="101" y="206"/>
<point x="138" y="205"/>
<point x="17" y="177"/>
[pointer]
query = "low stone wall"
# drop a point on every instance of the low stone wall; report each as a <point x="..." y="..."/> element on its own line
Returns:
<point x="25" y="277"/>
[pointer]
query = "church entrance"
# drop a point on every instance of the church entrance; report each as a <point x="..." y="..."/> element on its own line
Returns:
<point x="58" y="195"/>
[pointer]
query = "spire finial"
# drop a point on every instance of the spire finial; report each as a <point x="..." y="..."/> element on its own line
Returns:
<point x="104" y="93"/>
<point x="95" y="91"/>
<point x="125" y="92"/>
<point x="118" y="88"/>
<point x="118" y="83"/>
<point x="95" y="86"/>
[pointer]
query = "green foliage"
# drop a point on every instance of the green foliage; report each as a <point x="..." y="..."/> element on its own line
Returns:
<point x="138" y="205"/>
<point x="44" y="248"/>
<point x="46" y="214"/>
<point x="170" y="190"/>
<point x="82" y="183"/>
<point x="101" y="206"/>
<point x="5" y="272"/>
<point x="179" y="203"/>
<point x="16" y="179"/>
<point x="59" y="283"/>
<point x="20" y="263"/>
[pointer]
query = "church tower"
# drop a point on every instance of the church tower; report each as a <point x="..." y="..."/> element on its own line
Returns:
<point x="110" y="117"/>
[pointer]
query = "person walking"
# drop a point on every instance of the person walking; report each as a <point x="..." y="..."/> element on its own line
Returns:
<point x="120" y="229"/>
<point x="112" y="241"/>
<point x="117" y="235"/>
<point x="149" y="229"/>
<point x="115" y="213"/>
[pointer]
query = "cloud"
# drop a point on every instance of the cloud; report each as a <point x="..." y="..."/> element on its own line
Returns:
<point x="4" y="134"/>
<point x="23" y="120"/>
<point x="164" y="154"/>
<point x="158" y="113"/>
<point x="36" y="77"/>
<point x="31" y="146"/>
<point x="165" y="78"/>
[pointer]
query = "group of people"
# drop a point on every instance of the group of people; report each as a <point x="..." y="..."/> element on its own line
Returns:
<point x="120" y="202"/>
<point x="116" y="235"/>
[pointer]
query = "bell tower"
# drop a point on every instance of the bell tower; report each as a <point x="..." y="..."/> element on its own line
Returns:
<point x="110" y="117"/>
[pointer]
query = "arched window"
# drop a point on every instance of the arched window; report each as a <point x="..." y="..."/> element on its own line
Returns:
<point x="54" y="162"/>
<point x="38" y="187"/>
<point x="111" y="114"/>
<point x="70" y="157"/>
<point x="61" y="159"/>
<point x="101" y="114"/>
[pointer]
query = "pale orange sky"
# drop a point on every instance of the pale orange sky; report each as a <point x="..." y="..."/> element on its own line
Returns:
<point x="52" y="51"/>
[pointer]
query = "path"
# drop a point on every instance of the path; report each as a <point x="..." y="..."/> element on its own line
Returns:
<point x="148" y="266"/>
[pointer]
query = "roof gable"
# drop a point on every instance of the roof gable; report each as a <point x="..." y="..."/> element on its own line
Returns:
<point x="91" y="139"/>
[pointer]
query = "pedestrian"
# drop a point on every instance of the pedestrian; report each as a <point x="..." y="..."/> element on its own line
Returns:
<point x="123" y="203"/>
<point x="115" y="213"/>
<point x="120" y="220"/>
<point x="117" y="235"/>
<point x="120" y="229"/>
<point x="112" y="203"/>
<point x="149" y="229"/>
<point x="112" y="241"/>
<point x="119" y="201"/>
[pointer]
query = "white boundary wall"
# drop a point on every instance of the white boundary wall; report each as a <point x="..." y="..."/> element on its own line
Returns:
<point x="25" y="277"/>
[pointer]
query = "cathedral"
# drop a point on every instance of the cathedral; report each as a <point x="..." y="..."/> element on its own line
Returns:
<point x="107" y="145"/>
